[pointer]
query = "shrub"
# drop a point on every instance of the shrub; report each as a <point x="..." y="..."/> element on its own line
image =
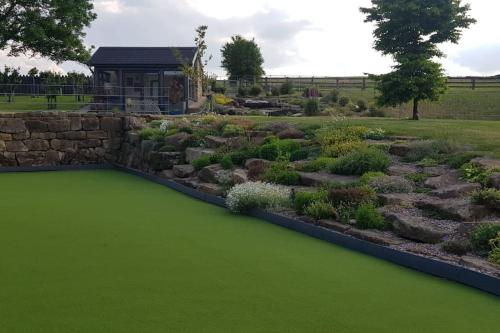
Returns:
<point x="286" y="88"/>
<point x="303" y="199"/>
<point x="391" y="184"/>
<point x="351" y="196"/>
<point x="488" y="197"/>
<point x="419" y="177"/>
<point x="494" y="256"/>
<point x="476" y="174"/>
<point x="345" y="213"/>
<point x="282" y="173"/>
<point x="375" y="134"/>
<point x="226" y="162"/>
<point x="335" y="95"/>
<point x="368" y="176"/>
<point x="202" y="162"/>
<point x="316" y="165"/>
<point x="231" y="130"/>
<point x="481" y="236"/>
<point x="275" y="91"/>
<point x="222" y="99"/>
<point x="311" y="107"/>
<point x="344" y="101"/>
<point x="360" y="162"/>
<point x="242" y="92"/>
<point x="255" y="91"/>
<point x="275" y="148"/>
<point x="336" y="141"/>
<point x="456" y="161"/>
<point x="434" y="149"/>
<point x="459" y="248"/>
<point x="320" y="210"/>
<point x="239" y="157"/>
<point x="299" y="155"/>
<point x="362" y="106"/>
<point x="367" y="217"/>
<point x="154" y="134"/>
<point x="244" y="197"/>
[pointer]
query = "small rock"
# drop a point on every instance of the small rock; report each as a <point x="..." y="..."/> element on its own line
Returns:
<point x="192" y="154"/>
<point x="215" y="141"/>
<point x="397" y="199"/>
<point x="453" y="209"/>
<point x="478" y="264"/>
<point x="399" y="149"/>
<point x="337" y="226"/>
<point x="183" y="171"/>
<point x="256" y="167"/>
<point x="437" y="170"/>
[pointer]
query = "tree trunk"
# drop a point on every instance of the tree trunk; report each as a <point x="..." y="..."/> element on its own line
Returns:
<point x="415" y="110"/>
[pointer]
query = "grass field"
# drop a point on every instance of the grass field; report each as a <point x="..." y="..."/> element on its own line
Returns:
<point x="28" y="103"/>
<point x="483" y="136"/>
<point x="103" y="251"/>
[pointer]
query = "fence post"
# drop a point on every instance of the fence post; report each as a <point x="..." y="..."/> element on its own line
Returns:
<point x="338" y="83"/>
<point x="364" y="84"/>
<point x="473" y="82"/>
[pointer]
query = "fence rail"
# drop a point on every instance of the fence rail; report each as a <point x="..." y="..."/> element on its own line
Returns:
<point x="360" y="82"/>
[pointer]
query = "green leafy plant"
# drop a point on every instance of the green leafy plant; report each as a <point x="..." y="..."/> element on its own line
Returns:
<point x="344" y="101"/>
<point x="494" y="255"/>
<point x="312" y="107"/>
<point x="206" y="161"/>
<point x="316" y="165"/>
<point x="154" y="134"/>
<point x="428" y="162"/>
<point x="232" y="130"/>
<point x="476" y="174"/>
<point x="226" y="162"/>
<point x="287" y="88"/>
<point x="361" y="105"/>
<point x="481" y="236"/>
<point x="418" y="177"/>
<point x="375" y="134"/>
<point x="391" y="184"/>
<point x="361" y="161"/>
<point x="367" y="217"/>
<point x="282" y="173"/>
<point x="345" y="213"/>
<point x="320" y="210"/>
<point x="456" y="161"/>
<point x="488" y="197"/>
<point x="303" y="199"/>
<point x="255" y="91"/>
<point x="431" y="149"/>
<point x="368" y="176"/>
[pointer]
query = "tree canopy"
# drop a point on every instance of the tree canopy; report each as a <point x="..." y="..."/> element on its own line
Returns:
<point x="50" y="28"/>
<point x="410" y="31"/>
<point x="241" y="58"/>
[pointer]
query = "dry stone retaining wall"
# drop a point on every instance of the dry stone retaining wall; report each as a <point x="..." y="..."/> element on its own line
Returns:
<point x="51" y="138"/>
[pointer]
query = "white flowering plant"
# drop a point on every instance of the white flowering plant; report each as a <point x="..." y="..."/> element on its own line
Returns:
<point x="165" y="125"/>
<point x="244" y="197"/>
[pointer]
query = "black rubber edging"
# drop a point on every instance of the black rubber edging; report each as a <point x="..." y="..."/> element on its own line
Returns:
<point x="58" y="168"/>
<point x="430" y="266"/>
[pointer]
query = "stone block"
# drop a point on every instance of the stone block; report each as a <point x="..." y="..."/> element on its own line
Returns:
<point x="12" y="125"/>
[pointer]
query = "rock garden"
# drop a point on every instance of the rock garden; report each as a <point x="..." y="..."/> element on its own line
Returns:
<point x="432" y="198"/>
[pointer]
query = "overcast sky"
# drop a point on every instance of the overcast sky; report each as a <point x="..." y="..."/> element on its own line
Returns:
<point x="297" y="37"/>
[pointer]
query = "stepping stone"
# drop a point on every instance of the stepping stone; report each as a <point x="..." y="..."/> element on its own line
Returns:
<point x="321" y="178"/>
<point x="403" y="169"/>
<point x="455" y="191"/>
<point x="448" y="179"/>
<point x="452" y="209"/>
<point x="413" y="227"/>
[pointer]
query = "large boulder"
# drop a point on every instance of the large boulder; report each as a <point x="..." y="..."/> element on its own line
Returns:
<point x="162" y="161"/>
<point x="452" y="209"/>
<point x="487" y="163"/>
<point x="210" y="174"/>
<point x="291" y="133"/>
<point x="192" y="154"/>
<point x="215" y="141"/>
<point x="240" y="176"/>
<point x="321" y="178"/>
<point x="183" y="171"/>
<point x="256" y="167"/>
<point x="179" y="140"/>
<point x="495" y="180"/>
<point x="414" y="227"/>
<point x="455" y="191"/>
<point x="448" y="179"/>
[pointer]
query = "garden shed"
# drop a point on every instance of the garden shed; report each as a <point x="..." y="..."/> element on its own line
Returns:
<point x="145" y="79"/>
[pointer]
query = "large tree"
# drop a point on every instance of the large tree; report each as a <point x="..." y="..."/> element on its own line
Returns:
<point x="241" y="58"/>
<point x="50" y="28"/>
<point x="410" y="31"/>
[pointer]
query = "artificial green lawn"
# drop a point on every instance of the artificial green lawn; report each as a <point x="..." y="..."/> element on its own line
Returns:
<point x="103" y="251"/>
